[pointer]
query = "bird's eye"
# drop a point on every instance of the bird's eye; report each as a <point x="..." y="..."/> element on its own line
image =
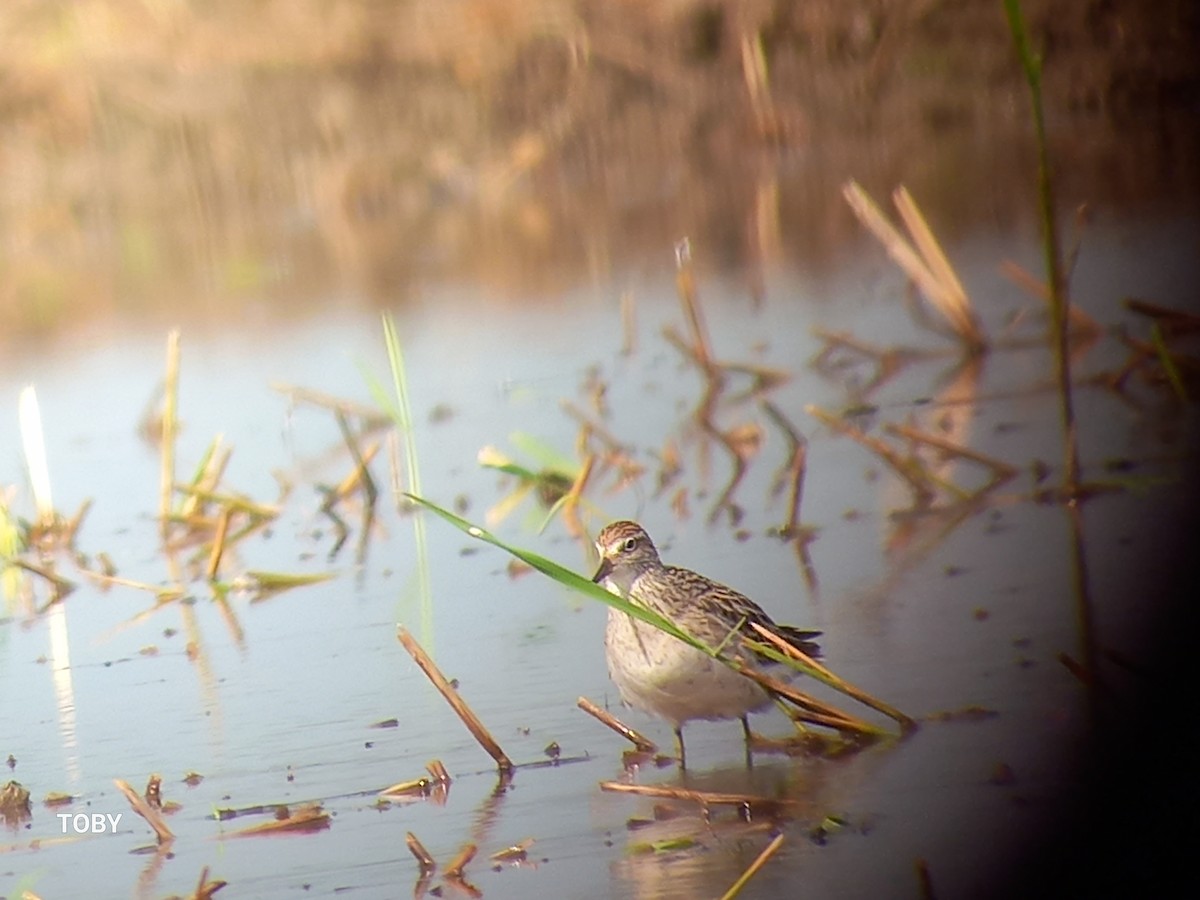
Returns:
<point x="630" y="543"/>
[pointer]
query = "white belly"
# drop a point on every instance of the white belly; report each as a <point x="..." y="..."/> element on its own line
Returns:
<point x="662" y="675"/>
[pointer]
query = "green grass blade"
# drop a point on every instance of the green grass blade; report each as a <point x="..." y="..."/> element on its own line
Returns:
<point x="563" y="575"/>
<point x="1168" y="362"/>
<point x="400" y="411"/>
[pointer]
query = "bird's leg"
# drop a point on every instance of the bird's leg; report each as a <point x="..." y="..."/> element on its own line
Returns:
<point x="679" y="744"/>
<point x="747" y="736"/>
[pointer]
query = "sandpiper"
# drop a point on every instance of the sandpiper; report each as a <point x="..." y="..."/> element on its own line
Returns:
<point x="658" y="673"/>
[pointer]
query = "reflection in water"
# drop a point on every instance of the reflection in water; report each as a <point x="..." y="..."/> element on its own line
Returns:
<point x="677" y="848"/>
<point x="64" y="691"/>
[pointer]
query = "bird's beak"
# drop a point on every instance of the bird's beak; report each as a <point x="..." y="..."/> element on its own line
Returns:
<point x="604" y="571"/>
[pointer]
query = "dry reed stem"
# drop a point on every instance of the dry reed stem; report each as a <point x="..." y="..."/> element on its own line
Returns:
<point x="476" y="727"/>
<point x="205" y="888"/>
<point x="424" y="859"/>
<point x="359" y="475"/>
<point x="954" y="303"/>
<point x="638" y="740"/>
<point x="465" y="855"/>
<point x="706" y="798"/>
<point x="310" y="817"/>
<point x="71" y="527"/>
<point x="569" y="502"/>
<point x="414" y="787"/>
<point x="753" y="868"/>
<point x="234" y="502"/>
<point x="907" y="724"/>
<point x="809" y="708"/>
<point x="926" y="268"/>
<point x="218" y="544"/>
<point x="515" y="854"/>
<point x="62" y="586"/>
<point x="1171" y="318"/>
<point x="207" y="480"/>
<point x="438" y="771"/>
<point x="169" y="429"/>
<point x="146" y="811"/>
<point x="758" y="84"/>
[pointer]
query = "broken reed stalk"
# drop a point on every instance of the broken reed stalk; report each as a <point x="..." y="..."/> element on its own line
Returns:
<point x="756" y="74"/>
<point x="146" y="811"/>
<point x="752" y="869"/>
<point x="706" y="798"/>
<point x="811" y="710"/>
<point x="907" y="724"/>
<point x="205" y="888"/>
<point x="476" y="727"/>
<point x="218" y="544"/>
<point x="954" y="303"/>
<point x="360" y="475"/>
<point x="166" y="484"/>
<point x="455" y="869"/>
<point x="424" y="859"/>
<point x="308" y="818"/>
<point x="640" y="741"/>
<point x="62" y="586"/>
<point x="926" y="265"/>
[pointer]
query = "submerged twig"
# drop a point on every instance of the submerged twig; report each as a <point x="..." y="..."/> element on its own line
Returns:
<point x="474" y="725"/>
<point x="640" y="741"/>
<point x="146" y="811"/>
<point x="308" y="818"/>
<point x="205" y="888"/>
<point x="424" y="859"/>
<point x="454" y="868"/>
<point x="706" y="798"/>
<point x="752" y="869"/>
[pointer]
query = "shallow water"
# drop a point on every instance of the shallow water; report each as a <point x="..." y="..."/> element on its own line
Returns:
<point x="281" y="709"/>
<point x="278" y="701"/>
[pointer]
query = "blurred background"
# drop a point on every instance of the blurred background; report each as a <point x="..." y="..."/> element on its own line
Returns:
<point x="212" y="159"/>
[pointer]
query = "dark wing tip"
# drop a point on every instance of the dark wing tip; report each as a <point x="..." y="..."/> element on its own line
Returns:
<point x="803" y="639"/>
